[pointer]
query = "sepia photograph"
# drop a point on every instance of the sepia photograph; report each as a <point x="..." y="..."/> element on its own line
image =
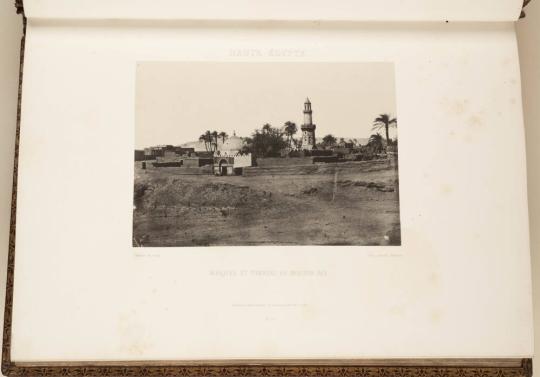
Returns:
<point x="269" y="153"/>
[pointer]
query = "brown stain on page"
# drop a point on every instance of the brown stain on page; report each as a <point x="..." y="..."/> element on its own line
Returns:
<point x="447" y="189"/>
<point x="309" y="312"/>
<point x="436" y="316"/>
<point x="456" y="107"/>
<point x="131" y="335"/>
<point x="468" y="120"/>
<point x="475" y="120"/>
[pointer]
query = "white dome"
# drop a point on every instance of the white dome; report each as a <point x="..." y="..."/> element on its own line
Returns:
<point x="234" y="143"/>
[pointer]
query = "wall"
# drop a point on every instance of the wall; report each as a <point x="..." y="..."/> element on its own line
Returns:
<point x="243" y="161"/>
<point x="196" y="161"/>
<point x="324" y="168"/>
<point x="278" y="161"/>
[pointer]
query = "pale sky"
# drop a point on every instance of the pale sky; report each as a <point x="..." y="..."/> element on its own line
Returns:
<point x="178" y="101"/>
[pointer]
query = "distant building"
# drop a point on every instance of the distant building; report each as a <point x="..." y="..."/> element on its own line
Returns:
<point x="172" y="156"/>
<point x="308" y="128"/>
<point x="183" y="151"/>
<point x="157" y="151"/>
<point x="139" y="155"/>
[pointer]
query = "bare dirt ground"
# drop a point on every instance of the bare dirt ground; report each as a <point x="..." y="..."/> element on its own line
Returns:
<point x="352" y="208"/>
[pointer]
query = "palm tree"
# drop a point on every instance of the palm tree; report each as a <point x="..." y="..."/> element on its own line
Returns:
<point x="210" y="140"/>
<point x="290" y="129"/>
<point x="376" y="142"/>
<point x="266" y="127"/>
<point x="223" y="135"/>
<point x="384" y="121"/>
<point x="207" y="139"/>
<point x="214" y="140"/>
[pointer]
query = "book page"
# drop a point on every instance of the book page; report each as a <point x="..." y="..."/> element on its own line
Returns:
<point x="95" y="281"/>
<point x="313" y="10"/>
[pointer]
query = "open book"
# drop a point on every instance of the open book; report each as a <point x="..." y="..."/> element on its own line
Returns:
<point x="272" y="187"/>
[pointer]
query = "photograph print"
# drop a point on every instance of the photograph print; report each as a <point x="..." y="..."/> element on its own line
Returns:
<point x="270" y="153"/>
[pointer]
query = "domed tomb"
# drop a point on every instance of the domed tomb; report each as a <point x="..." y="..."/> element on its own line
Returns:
<point x="232" y="144"/>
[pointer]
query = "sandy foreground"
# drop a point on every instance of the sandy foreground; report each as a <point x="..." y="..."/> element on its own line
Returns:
<point x="344" y="208"/>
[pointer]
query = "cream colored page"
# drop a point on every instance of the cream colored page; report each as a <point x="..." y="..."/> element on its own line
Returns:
<point x="313" y="10"/>
<point x="459" y="286"/>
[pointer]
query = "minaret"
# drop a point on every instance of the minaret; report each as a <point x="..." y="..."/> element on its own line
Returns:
<point x="308" y="128"/>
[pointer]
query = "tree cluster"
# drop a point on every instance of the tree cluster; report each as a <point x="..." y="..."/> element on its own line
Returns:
<point x="266" y="142"/>
<point x="210" y="139"/>
<point x="270" y="141"/>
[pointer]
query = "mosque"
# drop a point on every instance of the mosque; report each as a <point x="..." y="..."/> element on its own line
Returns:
<point x="229" y="159"/>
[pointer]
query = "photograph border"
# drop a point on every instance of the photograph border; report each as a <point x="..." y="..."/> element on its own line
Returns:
<point x="244" y="185"/>
<point x="486" y="367"/>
